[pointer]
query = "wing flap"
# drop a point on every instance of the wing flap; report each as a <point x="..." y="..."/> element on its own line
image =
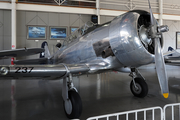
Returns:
<point x="20" y="52"/>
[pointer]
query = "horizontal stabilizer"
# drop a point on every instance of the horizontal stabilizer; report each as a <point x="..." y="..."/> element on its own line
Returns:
<point x="31" y="61"/>
<point x="20" y="52"/>
<point x="168" y="53"/>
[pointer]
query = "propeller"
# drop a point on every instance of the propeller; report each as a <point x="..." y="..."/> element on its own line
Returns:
<point x="155" y="34"/>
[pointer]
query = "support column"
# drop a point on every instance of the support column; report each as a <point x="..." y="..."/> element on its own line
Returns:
<point x="13" y="46"/>
<point x="98" y="10"/>
<point x="131" y="5"/>
<point x="13" y="24"/>
<point x="160" y="12"/>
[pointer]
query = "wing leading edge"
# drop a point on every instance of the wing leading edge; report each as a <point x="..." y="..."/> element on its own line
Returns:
<point x="41" y="70"/>
<point x="57" y="71"/>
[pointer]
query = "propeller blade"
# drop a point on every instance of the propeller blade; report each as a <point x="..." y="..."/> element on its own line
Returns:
<point x="159" y="60"/>
<point x="151" y="14"/>
<point x="160" y="69"/>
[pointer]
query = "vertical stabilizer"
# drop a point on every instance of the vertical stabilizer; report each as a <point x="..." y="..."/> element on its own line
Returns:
<point x="175" y="53"/>
<point x="46" y="53"/>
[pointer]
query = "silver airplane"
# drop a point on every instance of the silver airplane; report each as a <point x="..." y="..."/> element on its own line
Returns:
<point x="128" y="41"/>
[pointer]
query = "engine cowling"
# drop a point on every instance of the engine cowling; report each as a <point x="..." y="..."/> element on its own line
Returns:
<point x="129" y="39"/>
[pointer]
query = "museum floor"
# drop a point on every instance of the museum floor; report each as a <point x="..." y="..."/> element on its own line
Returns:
<point x="108" y="93"/>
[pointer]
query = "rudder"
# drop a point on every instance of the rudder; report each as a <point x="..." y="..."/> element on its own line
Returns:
<point x="46" y="53"/>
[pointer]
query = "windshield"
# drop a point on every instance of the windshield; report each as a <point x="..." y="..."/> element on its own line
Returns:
<point x="78" y="33"/>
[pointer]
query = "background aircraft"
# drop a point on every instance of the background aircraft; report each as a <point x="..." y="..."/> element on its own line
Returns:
<point x="172" y="57"/>
<point x="123" y="44"/>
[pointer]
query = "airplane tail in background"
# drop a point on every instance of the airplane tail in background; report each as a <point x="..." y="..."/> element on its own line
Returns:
<point x="173" y="58"/>
<point x="175" y="53"/>
<point x="46" y="53"/>
<point x="171" y="52"/>
<point x="170" y="48"/>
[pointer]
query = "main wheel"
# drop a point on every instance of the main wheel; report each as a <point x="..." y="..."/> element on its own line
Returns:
<point x="141" y="89"/>
<point x="73" y="106"/>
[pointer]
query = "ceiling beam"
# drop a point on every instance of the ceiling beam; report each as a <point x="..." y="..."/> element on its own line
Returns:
<point x="75" y="10"/>
<point x="5" y="5"/>
<point x="53" y="8"/>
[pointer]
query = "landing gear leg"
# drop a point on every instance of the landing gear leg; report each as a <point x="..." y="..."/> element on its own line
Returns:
<point x="72" y="101"/>
<point x="138" y="86"/>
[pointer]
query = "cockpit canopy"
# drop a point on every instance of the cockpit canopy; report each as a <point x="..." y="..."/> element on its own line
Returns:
<point x="78" y="33"/>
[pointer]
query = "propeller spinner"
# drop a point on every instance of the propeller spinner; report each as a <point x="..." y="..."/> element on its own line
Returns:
<point x="155" y="34"/>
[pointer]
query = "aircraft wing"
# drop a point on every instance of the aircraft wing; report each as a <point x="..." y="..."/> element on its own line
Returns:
<point x="20" y="52"/>
<point x="56" y="71"/>
<point x="172" y="58"/>
<point x="37" y="61"/>
<point x="172" y="63"/>
<point x="41" y="70"/>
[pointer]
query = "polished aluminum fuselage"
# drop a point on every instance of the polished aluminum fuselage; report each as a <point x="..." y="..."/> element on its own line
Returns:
<point x="122" y="36"/>
<point x="116" y="45"/>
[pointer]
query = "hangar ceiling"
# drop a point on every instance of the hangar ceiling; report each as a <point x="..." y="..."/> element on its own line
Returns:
<point x="170" y="9"/>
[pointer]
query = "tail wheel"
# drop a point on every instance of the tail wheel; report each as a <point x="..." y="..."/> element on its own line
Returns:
<point x="141" y="89"/>
<point x="73" y="106"/>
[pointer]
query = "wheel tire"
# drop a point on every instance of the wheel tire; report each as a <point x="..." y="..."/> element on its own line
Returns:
<point x="142" y="88"/>
<point x="76" y="103"/>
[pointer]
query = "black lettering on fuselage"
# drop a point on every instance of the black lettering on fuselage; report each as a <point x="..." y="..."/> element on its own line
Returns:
<point x="24" y="69"/>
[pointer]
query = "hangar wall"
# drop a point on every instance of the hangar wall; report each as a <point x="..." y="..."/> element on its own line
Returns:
<point x="170" y="37"/>
<point x="25" y="18"/>
<point x="105" y="19"/>
<point x="5" y="32"/>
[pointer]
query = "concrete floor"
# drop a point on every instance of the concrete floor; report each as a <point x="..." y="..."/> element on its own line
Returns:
<point x="41" y="100"/>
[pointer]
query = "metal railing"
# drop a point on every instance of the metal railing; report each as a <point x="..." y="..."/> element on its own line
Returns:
<point x="75" y="3"/>
<point x="133" y="115"/>
<point x="168" y="7"/>
<point x="127" y="5"/>
<point x="169" y="112"/>
<point x="5" y="0"/>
